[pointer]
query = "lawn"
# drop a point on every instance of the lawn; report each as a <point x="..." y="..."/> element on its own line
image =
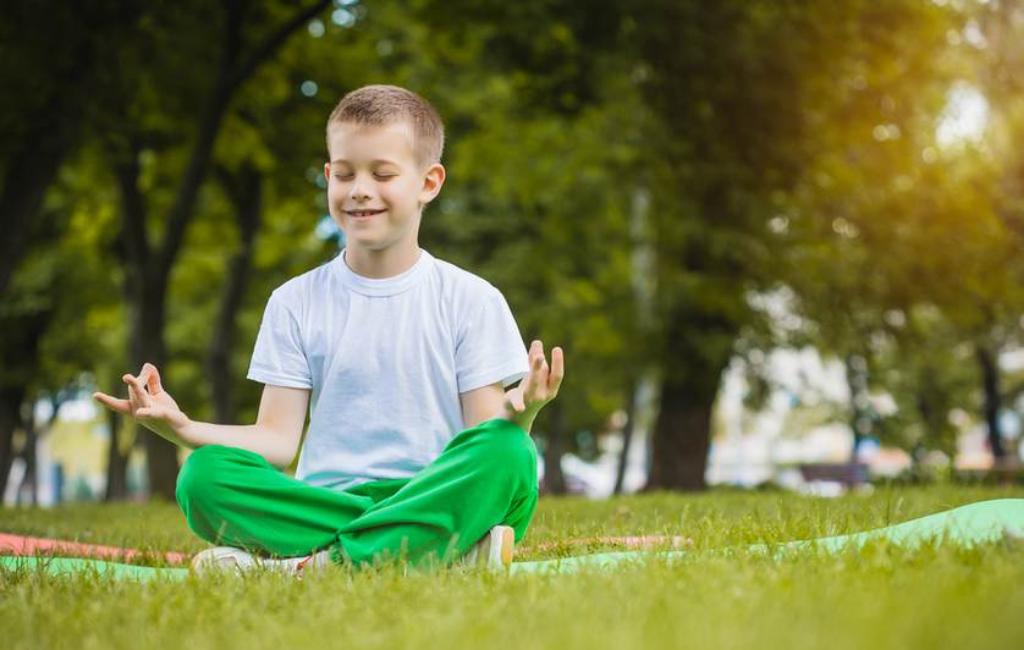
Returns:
<point x="879" y="597"/>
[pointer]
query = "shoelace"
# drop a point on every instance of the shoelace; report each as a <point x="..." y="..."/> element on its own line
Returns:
<point x="301" y="566"/>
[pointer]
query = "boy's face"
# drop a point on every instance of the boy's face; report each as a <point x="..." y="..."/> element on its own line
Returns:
<point x="376" y="188"/>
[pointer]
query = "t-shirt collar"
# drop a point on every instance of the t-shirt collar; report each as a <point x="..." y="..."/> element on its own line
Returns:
<point x="380" y="287"/>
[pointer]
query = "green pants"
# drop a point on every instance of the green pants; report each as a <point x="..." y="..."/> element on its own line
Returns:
<point x="486" y="475"/>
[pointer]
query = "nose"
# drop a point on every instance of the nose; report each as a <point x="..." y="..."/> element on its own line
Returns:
<point x="359" y="191"/>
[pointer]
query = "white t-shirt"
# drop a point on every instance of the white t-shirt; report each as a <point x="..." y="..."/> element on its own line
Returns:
<point x="386" y="361"/>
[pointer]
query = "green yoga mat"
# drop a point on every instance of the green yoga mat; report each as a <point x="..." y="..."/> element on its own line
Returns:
<point x="75" y="567"/>
<point x="967" y="526"/>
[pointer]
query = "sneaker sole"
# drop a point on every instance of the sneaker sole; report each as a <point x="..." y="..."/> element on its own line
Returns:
<point x="498" y="548"/>
<point x="506" y="546"/>
<point x="220" y="558"/>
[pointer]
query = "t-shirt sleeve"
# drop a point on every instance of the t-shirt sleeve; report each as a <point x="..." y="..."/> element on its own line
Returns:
<point x="278" y="358"/>
<point x="490" y="348"/>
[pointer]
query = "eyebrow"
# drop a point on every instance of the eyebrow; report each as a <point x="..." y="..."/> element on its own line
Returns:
<point x="378" y="161"/>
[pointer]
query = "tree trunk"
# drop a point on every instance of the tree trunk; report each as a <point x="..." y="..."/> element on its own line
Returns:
<point x="987" y="360"/>
<point x="147" y="345"/>
<point x="554" y="479"/>
<point x="28" y="491"/>
<point x="627" y="437"/>
<point x="682" y="432"/>
<point x="11" y="398"/>
<point x="644" y="271"/>
<point x="246" y="194"/>
<point x="149" y="267"/>
<point x="145" y="290"/>
<point x="19" y="360"/>
<point x="117" y="463"/>
<point x="698" y="355"/>
<point x="860" y="414"/>
<point x="932" y="429"/>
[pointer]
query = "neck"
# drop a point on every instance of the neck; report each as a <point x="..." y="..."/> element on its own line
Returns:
<point x="386" y="263"/>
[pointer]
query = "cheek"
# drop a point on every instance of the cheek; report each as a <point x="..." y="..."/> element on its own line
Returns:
<point x="334" y="193"/>
<point x="407" y="191"/>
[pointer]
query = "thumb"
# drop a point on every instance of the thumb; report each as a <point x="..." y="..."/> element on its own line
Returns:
<point x="517" y="400"/>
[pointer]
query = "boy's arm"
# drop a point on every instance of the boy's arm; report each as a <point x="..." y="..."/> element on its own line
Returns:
<point x="522" y="403"/>
<point x="275" y="435"/>
<point x="482" y="404"/>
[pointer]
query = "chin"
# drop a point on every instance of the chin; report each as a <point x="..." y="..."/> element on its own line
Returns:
<point x="367" y="244"/>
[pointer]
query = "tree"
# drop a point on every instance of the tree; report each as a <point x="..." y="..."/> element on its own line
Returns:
<point x="143" y="133"/>
<point x="54" y="314"/>
<point x="996" y="51"/>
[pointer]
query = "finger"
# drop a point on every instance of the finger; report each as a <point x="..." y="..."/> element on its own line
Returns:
<point x="536" y="377"/>
<point x="153" y="382"/>
<point x="140" y="391"/>
<point x="127" y="379"/>
<point x="537" y="363"/>
<point x="133" y="397"/>
<point x="543" y="374"/>
<point x="119" y="405"/>
<point x="536" y="348"/>
<point x="557" y="369"/>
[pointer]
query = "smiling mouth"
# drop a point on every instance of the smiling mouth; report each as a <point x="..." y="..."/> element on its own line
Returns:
<point x="363" y="213"/>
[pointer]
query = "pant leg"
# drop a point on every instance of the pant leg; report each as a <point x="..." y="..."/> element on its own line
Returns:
<point x="234" y="497"/>
<point x="487" y="475"/>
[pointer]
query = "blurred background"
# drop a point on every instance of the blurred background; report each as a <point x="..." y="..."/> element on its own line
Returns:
<point x="780" y="241"/>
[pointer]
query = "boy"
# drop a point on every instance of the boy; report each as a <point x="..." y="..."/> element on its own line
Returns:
<point x="414" y="448"/>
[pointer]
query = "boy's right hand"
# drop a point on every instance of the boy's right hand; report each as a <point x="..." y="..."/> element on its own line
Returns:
<point x="150" y="405"/>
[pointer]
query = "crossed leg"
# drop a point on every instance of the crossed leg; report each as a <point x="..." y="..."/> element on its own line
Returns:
<point x="486" y="476"/>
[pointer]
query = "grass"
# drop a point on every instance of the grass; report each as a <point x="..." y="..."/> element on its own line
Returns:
<point x="881" y="597"/>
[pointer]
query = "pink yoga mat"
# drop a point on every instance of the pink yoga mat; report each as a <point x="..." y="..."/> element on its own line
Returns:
<point x="21" y="546"/>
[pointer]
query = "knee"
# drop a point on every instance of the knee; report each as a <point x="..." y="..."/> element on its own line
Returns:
<point x="196" y="476"/>
<point x="507" y="448"/>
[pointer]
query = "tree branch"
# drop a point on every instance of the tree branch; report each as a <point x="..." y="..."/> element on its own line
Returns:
<point x="274" y="41"/>
<point x="228" y="81"/>
<point x="245" y="189"/>
<point x="133" y="208"/>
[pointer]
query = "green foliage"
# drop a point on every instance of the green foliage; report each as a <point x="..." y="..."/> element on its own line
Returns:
<point x="753" y="148"/>
<point x="65" y="288"/>
<point x="901" y="252"/>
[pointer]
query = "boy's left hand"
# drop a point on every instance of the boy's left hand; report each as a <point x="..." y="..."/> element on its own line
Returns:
<point x="539" y="387"/>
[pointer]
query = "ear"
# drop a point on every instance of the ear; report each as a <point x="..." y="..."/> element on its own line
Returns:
<point x="327" y="171"/>
<point x="432" y="182"/>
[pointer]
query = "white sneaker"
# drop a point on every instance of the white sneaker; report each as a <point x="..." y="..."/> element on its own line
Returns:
<point x="229" y="558"/>
<point x="495" y="551"/>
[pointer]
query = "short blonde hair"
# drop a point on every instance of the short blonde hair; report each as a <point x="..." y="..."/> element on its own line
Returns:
<point x="380" y="105"/>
